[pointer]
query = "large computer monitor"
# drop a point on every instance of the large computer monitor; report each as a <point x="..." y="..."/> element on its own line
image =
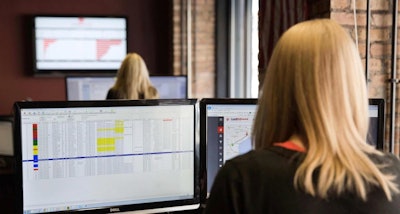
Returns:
<point x="96" y="87"/>
<point x="225" y="132"/>
<point x="65" y="44"/>
<point x="107" y="156"/>
<point x="376" y="130"/>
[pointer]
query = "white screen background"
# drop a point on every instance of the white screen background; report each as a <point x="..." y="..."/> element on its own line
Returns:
<point x="89" y="157"/>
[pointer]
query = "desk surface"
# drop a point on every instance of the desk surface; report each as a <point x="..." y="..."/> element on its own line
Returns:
<point x="7" y="186"/>
<point x="6" y="165"/>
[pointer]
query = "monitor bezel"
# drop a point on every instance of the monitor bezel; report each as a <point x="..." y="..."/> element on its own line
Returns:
<point x="203" y="133"/>
<point x="167" y="206"/>
<point x="62" y="72"/>
<point x="380" y="102"/>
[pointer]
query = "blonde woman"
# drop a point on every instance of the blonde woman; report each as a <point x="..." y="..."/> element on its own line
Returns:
<point x="133" y="81"/>
<point x="309" y="135"/>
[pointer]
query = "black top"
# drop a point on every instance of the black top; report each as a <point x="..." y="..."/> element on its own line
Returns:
<point x="113" y="94"/>
<point x="262" y="182"/>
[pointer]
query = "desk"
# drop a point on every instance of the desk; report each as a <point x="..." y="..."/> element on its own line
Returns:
<point x="7" y="185"/>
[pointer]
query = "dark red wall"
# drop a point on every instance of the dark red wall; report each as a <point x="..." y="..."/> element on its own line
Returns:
<point x="150" y="34"/>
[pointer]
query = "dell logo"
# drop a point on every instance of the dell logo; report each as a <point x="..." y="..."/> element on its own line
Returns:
<point x="114" y="210"/>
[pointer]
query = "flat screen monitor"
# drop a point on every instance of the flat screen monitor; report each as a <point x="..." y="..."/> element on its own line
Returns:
<point x="106" y="156"/>
<point x="96" y="88"/>
<point x="88" y="88"/>
<point x="225" y="132"/>
<point x="376" y="130"/>
<point x="171" y="87"/>
<point x="71" y="44"/>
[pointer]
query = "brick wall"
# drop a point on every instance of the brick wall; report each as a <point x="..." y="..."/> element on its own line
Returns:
<point x="202" y="57"/>
<point x="380" y="48"/>
<point x="202" y="75"/>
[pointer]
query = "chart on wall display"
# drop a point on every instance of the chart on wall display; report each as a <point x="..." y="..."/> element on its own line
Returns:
<point x="80" y="42"/>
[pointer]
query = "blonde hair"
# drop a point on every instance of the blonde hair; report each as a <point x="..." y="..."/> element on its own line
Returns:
<point x="315" y="89"/>
<point x="133" y="81"/>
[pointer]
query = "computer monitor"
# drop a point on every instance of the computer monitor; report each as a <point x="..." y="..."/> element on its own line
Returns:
<point x="225" y="132"/>
<point x="96" y="87"/>
<point x="171" y="87"/>
<point x="107" y="156"/>
<point x="376" y="130"/>
<point x="65" y="44"/>
<point x="88" y="88"/>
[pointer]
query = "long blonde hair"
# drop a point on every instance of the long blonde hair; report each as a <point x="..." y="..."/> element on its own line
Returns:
<point x="133" y="81"/>
<point x="315" y="89"/>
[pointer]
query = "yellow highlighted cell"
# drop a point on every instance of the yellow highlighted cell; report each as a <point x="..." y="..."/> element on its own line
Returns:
<point x="106" y="149"/>
<point x="105" y="141"/>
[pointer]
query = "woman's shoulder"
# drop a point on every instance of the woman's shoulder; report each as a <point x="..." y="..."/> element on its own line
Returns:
<point x="271" y="158"/>
<point x="112" y="94"/>
<point x="273" y="152"/>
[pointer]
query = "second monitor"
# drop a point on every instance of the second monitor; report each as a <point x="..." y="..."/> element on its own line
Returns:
<point x="95" y="88"/>
<point x="225" y="132"/>
<point x="226" y="128"/>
